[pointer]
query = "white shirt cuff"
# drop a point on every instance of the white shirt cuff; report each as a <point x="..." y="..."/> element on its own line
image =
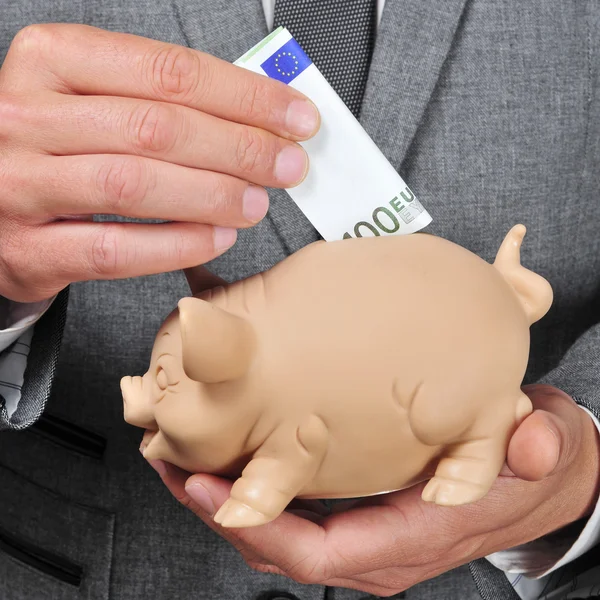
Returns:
<point x="16" y="321"/>
<point x="17" y="317"/>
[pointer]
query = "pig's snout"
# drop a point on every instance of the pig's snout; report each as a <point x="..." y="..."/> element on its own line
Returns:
<point x="136" y="403"/>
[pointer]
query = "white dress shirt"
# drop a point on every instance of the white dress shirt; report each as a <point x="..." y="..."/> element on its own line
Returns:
<point x="531" y="568"/>
<point x="16" y="330"/>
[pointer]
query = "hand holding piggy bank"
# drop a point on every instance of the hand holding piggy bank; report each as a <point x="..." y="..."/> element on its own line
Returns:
<point x="351" y="368"/>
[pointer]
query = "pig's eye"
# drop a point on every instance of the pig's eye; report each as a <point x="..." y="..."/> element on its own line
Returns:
<point x="166" y="373"/>
<point x="161" y="379"/>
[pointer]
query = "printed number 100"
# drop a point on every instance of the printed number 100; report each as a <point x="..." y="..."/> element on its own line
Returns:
<point x="384" y="220"/>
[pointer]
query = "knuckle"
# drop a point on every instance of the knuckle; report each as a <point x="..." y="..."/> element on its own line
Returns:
<point x="309" y="571"/>
<point x="25" y="272"/>
<point x="7" y="184"/>
<point x="182" y="253"/>
<point x="122" y="185"/>
<point x="179" y="249"/>
<point x="221" y="198"/>
<point x="33" y="39"/>
<point x="175" y="72"/>
<point x="106" y="255"/>
<point x="254" y="101"/>
<point x="16" y="266"/>
<point x="252" y="152"/>
<point x="12" y="250"/>
<point x="14" y="116"/>
<point x="152" y="127"/>
<point x="307" y="578"/>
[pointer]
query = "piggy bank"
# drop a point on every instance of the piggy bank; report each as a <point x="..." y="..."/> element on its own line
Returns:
<point x="350" y="369"/>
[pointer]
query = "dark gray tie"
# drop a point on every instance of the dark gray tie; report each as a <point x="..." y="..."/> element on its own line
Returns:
<point x="338" y="36"/>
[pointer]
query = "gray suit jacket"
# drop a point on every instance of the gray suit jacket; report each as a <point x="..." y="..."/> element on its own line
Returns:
<point x="488" y="108"/>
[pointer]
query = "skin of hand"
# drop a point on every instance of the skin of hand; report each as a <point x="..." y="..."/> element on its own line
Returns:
<point x="101" y="123"/>
<point x="386" y="544"/>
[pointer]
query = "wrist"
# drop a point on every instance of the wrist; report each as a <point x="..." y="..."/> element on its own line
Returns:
<point x="588" y="463"/>
<point x="577" y="483"/>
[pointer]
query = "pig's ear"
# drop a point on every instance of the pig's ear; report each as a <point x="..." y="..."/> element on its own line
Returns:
<point x="217" y="346"/>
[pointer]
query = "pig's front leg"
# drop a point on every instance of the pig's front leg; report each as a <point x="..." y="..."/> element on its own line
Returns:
<point x="468" y="469"/>
<point x="466" y="473"/>
<point x="280" y="468"/>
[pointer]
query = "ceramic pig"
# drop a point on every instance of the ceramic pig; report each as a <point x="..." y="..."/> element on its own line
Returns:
<point x="350" y="369"/>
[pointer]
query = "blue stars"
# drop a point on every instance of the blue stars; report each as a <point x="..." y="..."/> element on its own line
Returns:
<point x="287" y="62"/>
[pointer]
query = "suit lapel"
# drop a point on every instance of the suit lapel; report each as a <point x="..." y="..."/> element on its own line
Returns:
<point x="224" y="28"/>
<point x="413" y="41"/>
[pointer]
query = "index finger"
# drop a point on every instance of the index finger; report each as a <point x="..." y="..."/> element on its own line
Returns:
<point x="85" y="60"/>
<point x="286" y="542"/>
<point x="309" y="551"/>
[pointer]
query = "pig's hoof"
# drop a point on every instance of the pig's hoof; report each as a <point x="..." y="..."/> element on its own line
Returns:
<point x="237" y="514"/>
<point x="448" y="492"/>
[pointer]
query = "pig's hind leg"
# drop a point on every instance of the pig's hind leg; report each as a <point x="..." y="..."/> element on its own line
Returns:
<point x="469" y="468"/>
<point x="283" y="465"/>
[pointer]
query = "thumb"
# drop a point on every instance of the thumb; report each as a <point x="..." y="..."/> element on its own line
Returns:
<point x="547" y="440"/>
<point x="208" y="492"/>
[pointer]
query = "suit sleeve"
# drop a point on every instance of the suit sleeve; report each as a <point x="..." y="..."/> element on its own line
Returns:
<point x="28" y="365"/>
<point x="578" y="374"/>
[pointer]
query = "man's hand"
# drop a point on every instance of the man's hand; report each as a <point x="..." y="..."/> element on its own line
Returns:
<point x="93" y="122"/>
<point x="386" y="544"/>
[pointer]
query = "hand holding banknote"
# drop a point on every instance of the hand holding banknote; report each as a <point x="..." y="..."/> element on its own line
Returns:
<point x="93" y="122"/>
<point x="387" y="544"/>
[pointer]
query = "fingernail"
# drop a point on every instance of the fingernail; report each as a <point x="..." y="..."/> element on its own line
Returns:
<point x="159" y="466"/>
<point x="291" y="165"/>
<point x="302" y="118"/>
<point x="200" y="495"/>
<point x="224" y="238"/>
<point x="255" y="203"/>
